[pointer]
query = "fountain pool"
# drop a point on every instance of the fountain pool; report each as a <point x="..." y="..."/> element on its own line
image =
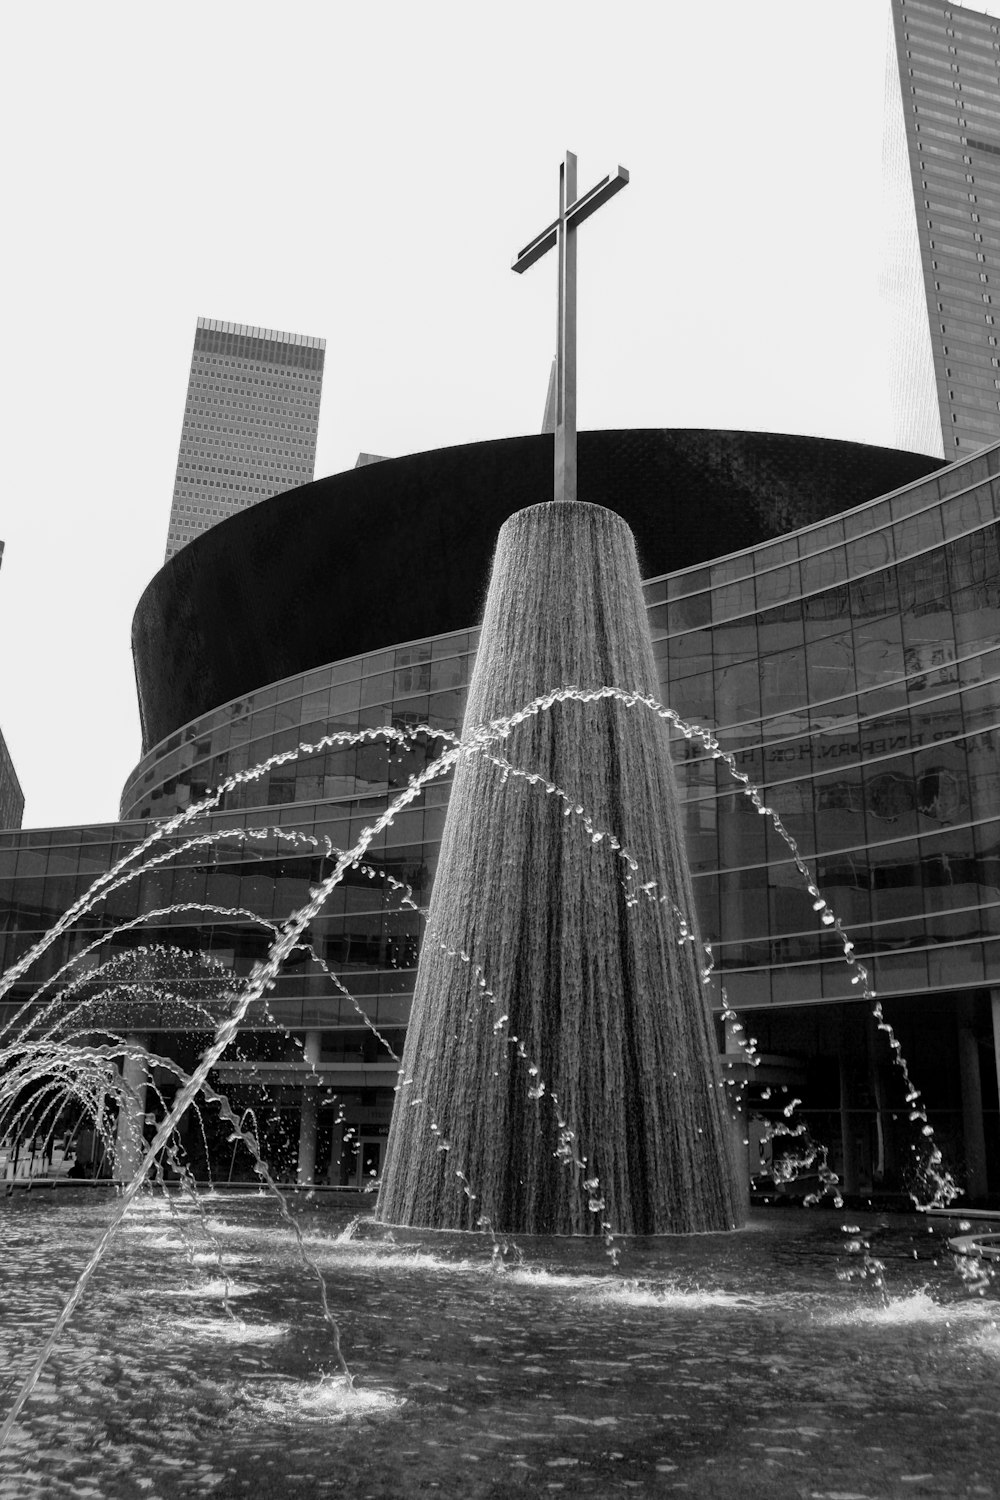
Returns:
<point x="760" y="1361"/>
<point x="768" y="1362"/>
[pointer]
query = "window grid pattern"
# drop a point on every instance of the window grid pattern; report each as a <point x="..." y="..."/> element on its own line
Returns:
<point x="852" y="670"/>
<point x="949" y="78"/>
<point x="250" y="423"/>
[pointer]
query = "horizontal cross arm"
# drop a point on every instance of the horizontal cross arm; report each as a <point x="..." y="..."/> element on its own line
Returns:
<point x="575" y="214"/>
<point x="537" y="248"/>
<point x="599" y="195"/>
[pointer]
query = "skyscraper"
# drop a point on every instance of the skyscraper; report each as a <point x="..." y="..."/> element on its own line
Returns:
<point x="949" y="72"/>
<point x="250" y="423"/>
<point x="11" y="796"/>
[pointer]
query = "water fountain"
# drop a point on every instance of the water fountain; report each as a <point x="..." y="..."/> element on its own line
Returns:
<point x="561" y="1081"/>
<point x="560" y="1041"/>
<point x="718" y="1362"/>
<point x="562" y="898"/>
<point x="563" y="793"/>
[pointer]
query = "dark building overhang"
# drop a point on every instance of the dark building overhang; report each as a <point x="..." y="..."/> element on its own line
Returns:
<point x="400" y="550"/>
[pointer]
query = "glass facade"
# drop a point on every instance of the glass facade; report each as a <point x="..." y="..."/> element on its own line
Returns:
<point x="854" y="678"/>
<point x="851" y="669"/>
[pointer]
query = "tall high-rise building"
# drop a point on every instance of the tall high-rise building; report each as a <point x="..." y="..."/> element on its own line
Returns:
<point x="11" y="796"/>
<point x="250" y="423"/>
<point x="948" y="61"/>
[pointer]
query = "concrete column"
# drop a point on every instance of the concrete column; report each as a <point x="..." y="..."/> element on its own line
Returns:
<point x="972" y="1112"/>
<point x="881" y="1083"/>
<point x="995" y="1002"/>
<point x="735" y="1066"/>
<point x="309" y="1120"/>
<point x="132" y="1110"/>
<point x="739" y="1126"/>
<point x="336" y="1152"/>
<point x="851" y="1174"/>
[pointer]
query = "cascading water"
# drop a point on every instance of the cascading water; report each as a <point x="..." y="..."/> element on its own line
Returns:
<point x="607" y="745"/>
<point x="588" y="1077"/>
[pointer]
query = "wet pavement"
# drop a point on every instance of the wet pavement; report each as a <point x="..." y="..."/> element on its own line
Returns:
<point x="766" y="1363"/>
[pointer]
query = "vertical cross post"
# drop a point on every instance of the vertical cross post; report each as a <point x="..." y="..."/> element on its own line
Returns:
<point x="565" y="436"/>
<point x="562" y="233"/>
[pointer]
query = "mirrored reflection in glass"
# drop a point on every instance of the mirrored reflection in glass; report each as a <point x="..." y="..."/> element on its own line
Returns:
<point x="923" y="585"/>
<point x="691" y="582"/>
<point x="778" y="586"/>
<point x="846" y="880"/>
<point x="450" y="672"/>
<point x="743" y="905"/>
<point x="901" y="971"/>
<point x="741" y="838"/>
<point x="917" y="532"/>
<point x="830" y="666"/>
<point x="783" y="682"/>
<point x="891" y="798"/>
<point x="734" y="600"/>
<point x="868" y="518"/>
<point x="737" y="693"/>
<point x="823" y="570"/>
<point x="692" y="698"/>
<point x="878" y="654"/>
<point x="826" y="614"/>
<point x="966" y="512"/>
<point x="780" y="628"/>
<point x="690" y="612"/>
<point x="699" y="812"/>
<point x="837" y="717"/>
<point x="689" y="653"/>
<point x="735" y="642"/>
<point x="796" y="985"/>
<point x="754" y="985"/>
<point x="792" y="800"/>
<point x="867" y="554"/>
<point x="839" y="801"/>
<point x="955" y="965"/>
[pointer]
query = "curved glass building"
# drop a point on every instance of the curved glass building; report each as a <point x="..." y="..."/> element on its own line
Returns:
<point x="851" y="666"/>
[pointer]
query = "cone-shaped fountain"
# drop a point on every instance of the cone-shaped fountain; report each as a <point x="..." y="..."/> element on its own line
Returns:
<point x="561" y="1071"/>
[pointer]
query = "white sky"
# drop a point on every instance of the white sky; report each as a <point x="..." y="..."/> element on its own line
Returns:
<point x="365" y="173"/>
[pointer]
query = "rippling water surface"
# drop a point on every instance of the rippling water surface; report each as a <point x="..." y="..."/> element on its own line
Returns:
<point x="762" y="1363"/>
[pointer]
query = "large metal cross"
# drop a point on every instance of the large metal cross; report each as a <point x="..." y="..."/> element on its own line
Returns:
<point x="562" y="232"/>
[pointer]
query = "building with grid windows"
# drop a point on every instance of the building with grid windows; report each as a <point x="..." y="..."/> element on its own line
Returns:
<point x="845" y="652"/>
<point x="945" y="139"/>
<point x="250" y="423"/>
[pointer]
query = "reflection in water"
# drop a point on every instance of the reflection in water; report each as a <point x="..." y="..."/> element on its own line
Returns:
<point x="724" y="1342"/>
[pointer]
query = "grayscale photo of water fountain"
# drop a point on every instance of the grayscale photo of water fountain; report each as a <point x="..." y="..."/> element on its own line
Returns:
<point x="553" y="1055"/>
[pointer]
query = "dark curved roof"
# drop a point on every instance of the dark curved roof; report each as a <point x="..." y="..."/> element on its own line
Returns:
<point x="401" y="549"/>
